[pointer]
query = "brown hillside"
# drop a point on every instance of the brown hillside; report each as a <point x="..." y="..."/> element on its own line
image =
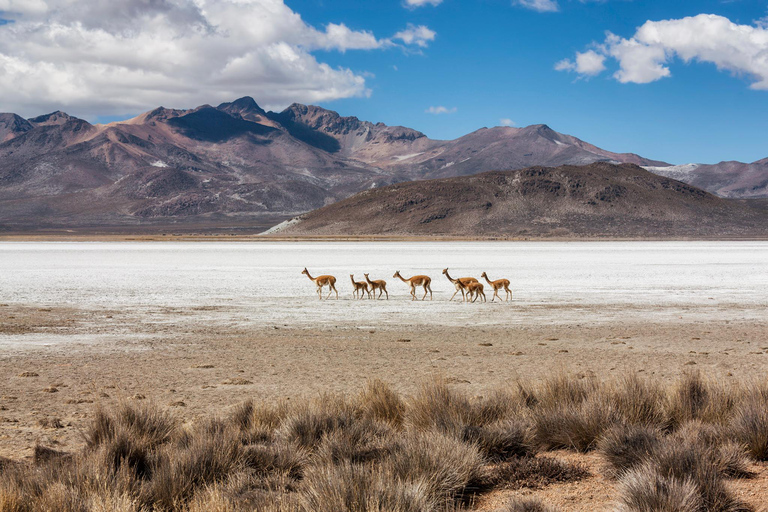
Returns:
<point x="597" y="200"/>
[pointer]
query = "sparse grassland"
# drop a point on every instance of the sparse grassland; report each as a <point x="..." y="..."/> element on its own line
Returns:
<point x="663" y="447"/>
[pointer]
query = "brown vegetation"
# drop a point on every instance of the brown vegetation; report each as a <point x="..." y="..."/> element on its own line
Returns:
<point x="666" y="448"/>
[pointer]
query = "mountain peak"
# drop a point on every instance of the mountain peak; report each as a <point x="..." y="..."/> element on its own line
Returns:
<point x="12" y="125"/>
<point x="52" y="119"/>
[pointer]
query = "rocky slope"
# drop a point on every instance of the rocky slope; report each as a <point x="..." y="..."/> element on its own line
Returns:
<point x="597" y="200"/>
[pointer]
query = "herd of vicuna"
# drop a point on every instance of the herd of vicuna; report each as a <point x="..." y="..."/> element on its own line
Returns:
<point x="469" y="287"/>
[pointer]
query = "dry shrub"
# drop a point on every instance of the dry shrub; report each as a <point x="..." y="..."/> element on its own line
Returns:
<point x="644" y="489"/>
<point x="573" y="424"/>
<point x="363" y="441"/>
<point x="145" y="421"/>
<point x="503" y="439"/>
<point x="624" y="447"/>
<point x="749" y="426"/>
<point x="532" y="473"/>
<point x="442" y="464"/>
<point x="437" y="407"/>
<point x="526" y="505"/>
<point x="208" y="458"/>
<point x="379" y="402"/>
<point x="360" y="488"/>
<point x="693" y="462"/>
<point x="563" y="389"/>
<point x="732" y="460"/>
<point x="280" y="458"/>
<point x="257" y="422"/>
<point x="639" y="401"/>
<point x="695" y="398"/>
<point x="309" y="422"/>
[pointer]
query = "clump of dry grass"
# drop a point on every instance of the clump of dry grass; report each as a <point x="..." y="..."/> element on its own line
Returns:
<point x="574" y="424"/>
<point x="669" y="447"/>
<point x="353" y="487"/>
<point x="749" y="426"/>
<point x="623" y="447"/>
<point x="532" y="473"/>
<point x="526" y="505"/>
<point x="379" y="402"/>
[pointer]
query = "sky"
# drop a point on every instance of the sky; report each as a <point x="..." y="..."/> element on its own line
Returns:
<point x="679" y="81"/>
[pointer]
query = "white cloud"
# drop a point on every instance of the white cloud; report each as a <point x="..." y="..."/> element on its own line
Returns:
<point x="441" y="110"/>
<point x="645" y="57"/>
<point x="421" y="3"/>
<point x="589" y="63"/>
<point x="505" y="121"/>
<point x="124" y="56"/>
<point x="539" y="5"/>
<point x="418" y="35"/>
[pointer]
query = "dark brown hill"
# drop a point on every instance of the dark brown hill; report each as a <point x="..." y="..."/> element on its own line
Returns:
<point x="597" y="200"/>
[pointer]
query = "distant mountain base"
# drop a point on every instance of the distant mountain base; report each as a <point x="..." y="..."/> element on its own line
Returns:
<point x="598" y="201"/>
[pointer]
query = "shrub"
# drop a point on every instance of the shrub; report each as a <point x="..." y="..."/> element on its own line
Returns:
<point x="358" y="488"/>
<point x="532" y="473"/>
<point x="526" y="505"/>
<point x="379" y="402"/>
<point x="749" y="426"/>
<point x="643" y="489"/>
<point x="503" y="439"/>
<point x="575" y="425"/>
<point x="444" y="465"/>
<point x="624" y="447"/>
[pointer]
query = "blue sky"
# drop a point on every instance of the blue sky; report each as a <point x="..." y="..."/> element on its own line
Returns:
<point x="491" y="60"/>
<point x="683" y="88"/>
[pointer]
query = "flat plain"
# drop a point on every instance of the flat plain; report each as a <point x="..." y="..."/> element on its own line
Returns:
<point x="199" y="328"/>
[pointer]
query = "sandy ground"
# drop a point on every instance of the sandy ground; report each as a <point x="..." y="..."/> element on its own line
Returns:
<point x="59" y="363"/>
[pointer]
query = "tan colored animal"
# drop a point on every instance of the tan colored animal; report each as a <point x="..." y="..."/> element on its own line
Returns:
<point x="360" y="287"/>
<point x="459" y="283"/>
<point x="321" y="281"/>
<point x="415" y="281"/>
<point x="475" y="289"/>
<point x="498" y="285"/>
<point x="377" y="284"/>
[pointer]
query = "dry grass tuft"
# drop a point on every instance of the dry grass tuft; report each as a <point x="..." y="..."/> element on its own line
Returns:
<point x="574" y="424"/>
<point x="379" y="402"/>
<point x="623" y="447"/>
<point x="526" y="505"/>
<point x="669" y="447"/>
<point x="749" y="426"/>
<point x="532" y="473"/>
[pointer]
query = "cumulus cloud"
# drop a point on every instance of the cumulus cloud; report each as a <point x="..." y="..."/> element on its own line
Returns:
<point x="440" y="110"/>
<point x="539" y="5"/>
<point x="645" y="57"/>
<point x="420" y="3"/>
<point x="123" y="56"/>
<point x="505" y="121"/>
<point x="418" y="35"/>
<point x="588" y="63"/>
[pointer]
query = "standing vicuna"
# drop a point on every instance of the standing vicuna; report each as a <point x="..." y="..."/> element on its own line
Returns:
<point x="415" y="281"/>
<point x="321" y="281"/>
<point x="475" y="289"/>
<point x="377" y="284"/>
<point x="498" y="285"/>
<point x="360" y="287"/>
<point x="460" y="284"/>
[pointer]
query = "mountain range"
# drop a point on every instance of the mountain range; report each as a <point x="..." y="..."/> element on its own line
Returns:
<point x="237" y="164"/>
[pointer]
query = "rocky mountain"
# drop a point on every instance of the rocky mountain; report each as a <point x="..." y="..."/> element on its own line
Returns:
<point x="596" y="200"/>
<point x="726" y="179"/>
<point x="238" y="164"/>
